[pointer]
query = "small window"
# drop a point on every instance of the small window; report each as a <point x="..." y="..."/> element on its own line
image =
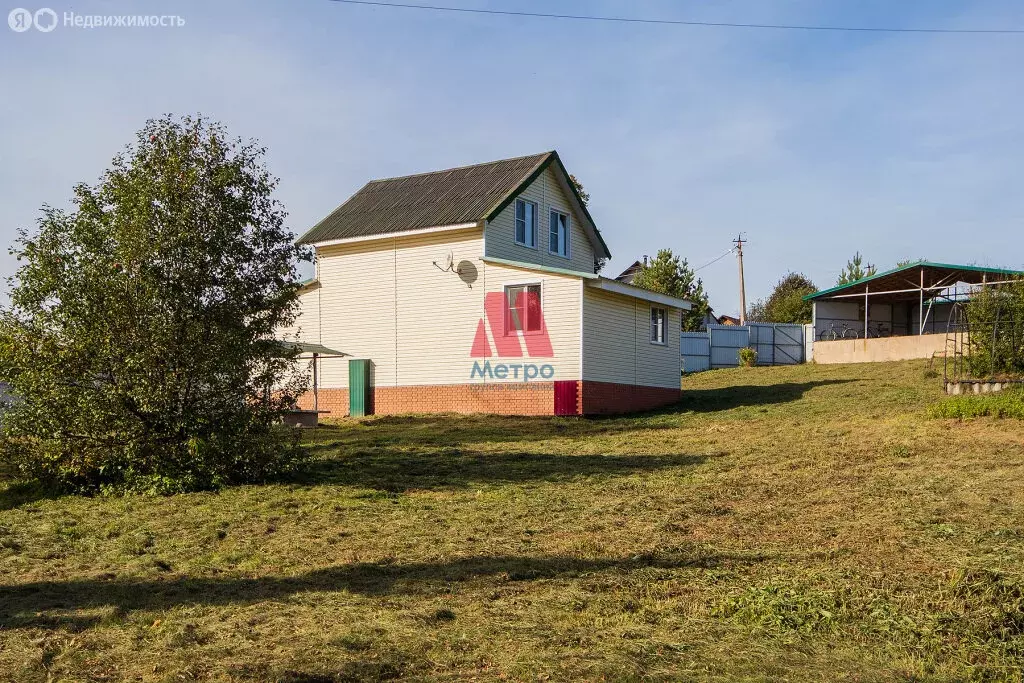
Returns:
<point x="558" y="239"/>
<point x="657" y="325"/>
<point x="523" y="309"/>
<point x="526" y="223"/>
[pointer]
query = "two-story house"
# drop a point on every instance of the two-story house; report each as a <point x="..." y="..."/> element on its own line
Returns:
<point x="475" y="289"/>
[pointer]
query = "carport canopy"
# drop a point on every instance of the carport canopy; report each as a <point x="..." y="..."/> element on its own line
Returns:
<point x="921" y="280"/>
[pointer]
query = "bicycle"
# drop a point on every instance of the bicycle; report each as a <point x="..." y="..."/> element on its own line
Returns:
<point x="833" y="332"/>
<point x="878" y="331"/>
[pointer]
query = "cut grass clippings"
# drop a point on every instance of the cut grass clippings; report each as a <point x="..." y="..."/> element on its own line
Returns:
<point x="803" y="523"/>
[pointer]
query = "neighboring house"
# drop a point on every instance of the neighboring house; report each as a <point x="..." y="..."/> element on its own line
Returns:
<point x="629" y="274"/>
<point x="474" y="289"/>
<point x="728" y="320"/>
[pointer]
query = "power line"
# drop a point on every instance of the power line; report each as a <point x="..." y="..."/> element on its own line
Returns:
<point x="714" y="260"/>
<point x="680" y="22"/>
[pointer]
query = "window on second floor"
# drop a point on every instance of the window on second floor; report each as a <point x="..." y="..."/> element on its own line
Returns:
<point x="523" y="309"/>
<point x="526" y="223"/>
<point x="558" y="236"/>
<point x="657" y="325"/>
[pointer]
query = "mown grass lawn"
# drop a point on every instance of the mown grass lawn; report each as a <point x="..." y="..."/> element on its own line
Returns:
<point x="806" y="523"/>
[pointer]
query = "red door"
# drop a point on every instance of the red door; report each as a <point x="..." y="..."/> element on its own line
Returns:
<point x="566" y="395"/>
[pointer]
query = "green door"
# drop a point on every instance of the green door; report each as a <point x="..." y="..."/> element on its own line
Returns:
<point x="360" y="387"/>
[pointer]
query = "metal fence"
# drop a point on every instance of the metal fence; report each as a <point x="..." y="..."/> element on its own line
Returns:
<point x="719" y="345"/>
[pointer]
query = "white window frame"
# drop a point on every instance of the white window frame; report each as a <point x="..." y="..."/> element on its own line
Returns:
<point x="505" y="322"/>
<point x="568" y="232"/>
<point x="515" y="223"/>
<point x="664" y="326"/>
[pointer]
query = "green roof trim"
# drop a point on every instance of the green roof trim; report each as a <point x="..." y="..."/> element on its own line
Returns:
<point x="912" y="266"/>
<point x="543" y="269"/>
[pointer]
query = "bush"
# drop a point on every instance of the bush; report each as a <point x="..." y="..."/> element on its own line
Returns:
<point x="140" y="335"/>
<point x="748" y="357"/>
<point x="995" y="346"/>
<point x="1006" y="403"/>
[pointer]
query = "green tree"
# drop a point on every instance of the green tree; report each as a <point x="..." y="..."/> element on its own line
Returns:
<point x="584" y="195"/>
<point x="786" y="303"/>
<point x="901" y="264"/>
<point x="140" y="333"/>
<point x="855" y="270"/>
<point x="669" y="274"/>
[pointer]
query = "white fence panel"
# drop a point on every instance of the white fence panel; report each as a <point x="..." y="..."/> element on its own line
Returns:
<point x="696" y="350"/>
<point x="789" y="345"/>
<point x="762" y="339"/>
<point x="726" y="342"/>
<point x="719" y="346"/>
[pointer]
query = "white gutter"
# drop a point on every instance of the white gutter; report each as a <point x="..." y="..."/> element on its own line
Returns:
<point x="392" y="235"/>
<point x="639" y="293"/>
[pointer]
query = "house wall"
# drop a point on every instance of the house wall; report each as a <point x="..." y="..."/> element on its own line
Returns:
<point x="617" y="344"/>
<point x="547" y="192"/>
<point x="622" y="369"/>
<point x="307" y="324"/>
<point x="385" y="300"/>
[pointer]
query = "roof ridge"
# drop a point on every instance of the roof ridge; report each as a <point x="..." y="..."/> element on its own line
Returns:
<point x="538" y="156"/>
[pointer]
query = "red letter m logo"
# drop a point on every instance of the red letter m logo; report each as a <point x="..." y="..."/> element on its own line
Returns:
<point x="513" y="319"/>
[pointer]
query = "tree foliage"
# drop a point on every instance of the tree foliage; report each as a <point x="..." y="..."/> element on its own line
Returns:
<point x="668" y="274"/>
<point x="855" y="270"/>
<point x="786" y="303"/>
<point x="140" y="333"/>
<point x="995" y="341"/>
<point x="584" y="195"/>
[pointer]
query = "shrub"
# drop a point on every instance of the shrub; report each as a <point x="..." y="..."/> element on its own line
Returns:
<point x="748" y="357"/>
<point x="1006" y="403"/>
<point x="140" y="335"/>
<point x="995" y="346"/>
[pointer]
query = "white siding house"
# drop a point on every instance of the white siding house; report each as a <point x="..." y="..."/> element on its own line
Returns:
<point x="475" y="289"/>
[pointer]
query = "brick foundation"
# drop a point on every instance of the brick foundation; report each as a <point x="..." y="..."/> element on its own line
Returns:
<point x="335" y="401"/>
<point x="534" y="398"/>
<point x="605" y="398"/>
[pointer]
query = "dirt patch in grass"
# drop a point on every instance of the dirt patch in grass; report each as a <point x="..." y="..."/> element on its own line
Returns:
<point x="807" y="523"/>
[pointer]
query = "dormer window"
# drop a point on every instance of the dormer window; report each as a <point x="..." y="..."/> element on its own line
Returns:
<point x="558" y="235"/>
<point x="526" y="223"/>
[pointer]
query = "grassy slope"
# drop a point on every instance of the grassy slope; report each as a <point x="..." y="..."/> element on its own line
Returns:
<point x="805" y="522"/>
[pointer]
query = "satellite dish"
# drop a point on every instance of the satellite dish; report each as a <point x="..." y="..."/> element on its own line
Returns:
<point x="449" y="262"/>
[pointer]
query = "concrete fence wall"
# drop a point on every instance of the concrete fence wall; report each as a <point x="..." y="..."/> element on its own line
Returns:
<point x="879" y="350"/>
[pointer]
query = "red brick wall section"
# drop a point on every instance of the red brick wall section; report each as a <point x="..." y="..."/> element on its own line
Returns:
<point x="604" y="398"/>
<point x="535" y="398"/>
<point x="333" y="400"/>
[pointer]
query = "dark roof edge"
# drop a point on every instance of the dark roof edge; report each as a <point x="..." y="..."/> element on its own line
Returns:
<point x="303" y="241"/>
<point x="909" y="266"/>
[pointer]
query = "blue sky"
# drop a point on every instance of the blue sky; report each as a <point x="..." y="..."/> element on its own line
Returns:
<point x="814" y="145"/>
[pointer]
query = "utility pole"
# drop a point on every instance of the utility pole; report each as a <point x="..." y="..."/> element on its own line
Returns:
<point x="739" y="241"/>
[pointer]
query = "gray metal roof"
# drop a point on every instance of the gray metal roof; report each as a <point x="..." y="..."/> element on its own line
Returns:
<point x="457" y="195"/>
